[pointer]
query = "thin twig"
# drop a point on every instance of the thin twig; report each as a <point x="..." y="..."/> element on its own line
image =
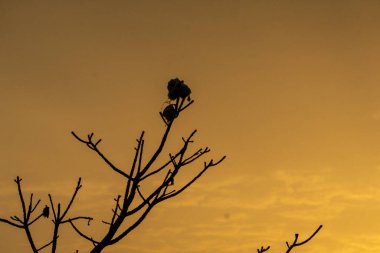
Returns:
<point x="11" y="223"/>
<point x="73" y="197"/>
<point x="41" y="248"/>
<point x="94" y="147"/>
<point x="262" y="249"/>
<point x="117" y="207"/>
<point x="37" y="218"/>
<point x="295" y="244"/>
<point x="83" y="235"/>
<point x="206" y="166"/>
<point x="160" y="168"/>
<point x="78" y="218"/>
<point x="188" y="104"/>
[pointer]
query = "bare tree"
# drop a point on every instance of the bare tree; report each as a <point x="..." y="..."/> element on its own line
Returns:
<point x="135" y="203"/>
<point x="28" y="209"/>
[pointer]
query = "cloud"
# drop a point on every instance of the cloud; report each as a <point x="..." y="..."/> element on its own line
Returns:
<point x="246" y="211"/>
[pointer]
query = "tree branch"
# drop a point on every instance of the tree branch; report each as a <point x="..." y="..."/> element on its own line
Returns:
<point x="37" y="218"/>
<point x="18" y="182"/>
<point x="46" y="245"/>
<point x="94" y="147"/>
<point x="160" y="168"/>
<point x="206" y="166"/>
<point x="262" y="249"/>
<point x="117" y="207"/>
<point x="59" y="218"/>
<point x="82" y="234"/>
<point x="52" y="206"/>
<point x="11" y="223"/>
<point x="133" y="226"/>
<point x="78" y="218"/>
<point x="295" y="244"/>
<point x="173" y="157"/>
<point x="72" y="198"/>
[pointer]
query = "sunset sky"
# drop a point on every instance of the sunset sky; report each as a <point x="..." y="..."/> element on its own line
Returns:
<point x="288" y="90"/>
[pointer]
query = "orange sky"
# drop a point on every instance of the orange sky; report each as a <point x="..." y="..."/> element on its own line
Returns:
<point x="288" y="90"/>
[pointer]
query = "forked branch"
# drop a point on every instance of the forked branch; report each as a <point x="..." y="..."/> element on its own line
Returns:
<point x="262" y="249"/>
<point x="59" y="217"/>
<point x="94" y="146"/>
<point x="26" y="221"/>
<point x="295" y="243"/>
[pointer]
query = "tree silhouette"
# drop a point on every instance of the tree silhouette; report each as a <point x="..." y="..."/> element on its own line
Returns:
<point x="135" y="203"/>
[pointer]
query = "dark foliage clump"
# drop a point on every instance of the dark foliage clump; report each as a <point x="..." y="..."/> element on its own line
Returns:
<point x="178" y="89"/>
